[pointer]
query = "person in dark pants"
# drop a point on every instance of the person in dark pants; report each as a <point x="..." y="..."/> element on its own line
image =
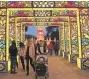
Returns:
<point x="16" y="61"/>
<point x="13" y="56"/>
<point x="56" y="47"/>
<point x="22" y="53"/>
<point x="30" y="53"/>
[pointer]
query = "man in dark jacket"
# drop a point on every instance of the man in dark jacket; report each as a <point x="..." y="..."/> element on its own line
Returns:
<point x="13" y="56"/>
<point x="56" y="47"/>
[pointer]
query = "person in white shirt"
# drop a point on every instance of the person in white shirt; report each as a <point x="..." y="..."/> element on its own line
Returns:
<point x="41" y="47"/>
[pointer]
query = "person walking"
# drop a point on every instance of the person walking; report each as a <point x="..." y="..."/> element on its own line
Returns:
<point x="50" y="48"/>
<point x="41" y="47"/>
<point x="13" y="56"/>
<point x="30" y="53"/>
<point x="35" y="46"/>
<point x="22" y="53"/>
<point x="56" y="47"/>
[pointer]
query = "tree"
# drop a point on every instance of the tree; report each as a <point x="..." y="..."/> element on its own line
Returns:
<point x="28" y="36"/>
<point x="53" y="32"/>
<point x="26" y="28"/>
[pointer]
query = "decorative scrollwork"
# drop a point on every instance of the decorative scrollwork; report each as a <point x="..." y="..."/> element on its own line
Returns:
<point x="43" y="4"/>
<point x="85" y="63"/>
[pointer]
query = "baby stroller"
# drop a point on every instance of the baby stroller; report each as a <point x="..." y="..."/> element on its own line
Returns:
<point x="41" y="67"/>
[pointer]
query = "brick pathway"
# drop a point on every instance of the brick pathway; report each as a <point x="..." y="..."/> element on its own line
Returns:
<point x="59" y="68"/>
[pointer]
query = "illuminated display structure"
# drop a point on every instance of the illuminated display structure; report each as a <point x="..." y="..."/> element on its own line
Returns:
<point x="47" y="13"/>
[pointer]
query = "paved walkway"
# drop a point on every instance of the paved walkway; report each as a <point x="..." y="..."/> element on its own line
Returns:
<point x="59" y="68"/>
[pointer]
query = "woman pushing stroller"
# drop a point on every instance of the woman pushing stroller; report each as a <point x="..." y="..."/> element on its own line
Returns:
<point x="41" y="60"/>
<point x="41" y="48"/>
